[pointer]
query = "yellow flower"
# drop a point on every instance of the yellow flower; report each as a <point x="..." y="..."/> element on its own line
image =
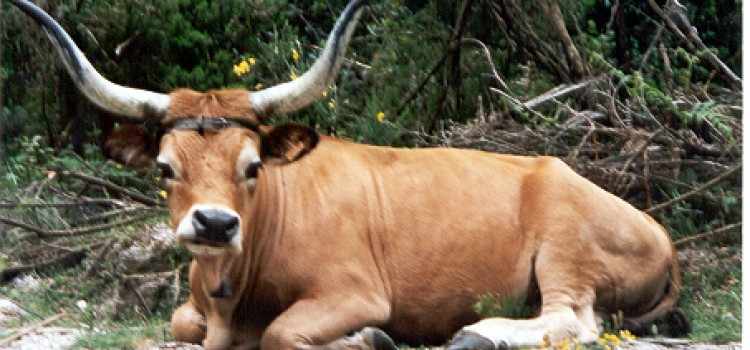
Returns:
<point x="258" y="86"/>
<point x="331" y="104"/>
<point x="295" y="55"/>
<point x="381" y="116"/>
<point x="325" y="93"/>
<point x="625" y="334"/>
<point x="157" y="179"/>
<point x="119" y="166"/>
<point x="293" y="75"/>
<point x="163" y="194"/>
<point x="251" y="60"/>
<point x="241" y="68"/>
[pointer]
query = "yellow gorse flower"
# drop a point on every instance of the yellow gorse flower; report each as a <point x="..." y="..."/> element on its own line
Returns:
<point x="295" y="55"/>
<point x="241" y="68"/>
<point x="626" y="335"/>
<point x="293" y="75"/>
<point x="251" y="60"/>
<point x="381" y="116"/>
<point x="163" y="194"/>
<point x="258" y="86"/>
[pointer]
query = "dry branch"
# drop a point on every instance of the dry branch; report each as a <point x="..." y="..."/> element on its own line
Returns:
<point x="19" y="334"/>
<point x="110" y="186"/>
<point x="704" y="235"/>
<point x="693" y="42"/>
<point x="68" y="259"/>
<point x="44" y="233"/>
<point x="559" y="91"/>
<point x="77" y="203"/>
<point x="698" y="190"/>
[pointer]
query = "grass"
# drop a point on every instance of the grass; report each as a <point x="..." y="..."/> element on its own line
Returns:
<point x="712" y="295"/>
<point x="120" y="336"/>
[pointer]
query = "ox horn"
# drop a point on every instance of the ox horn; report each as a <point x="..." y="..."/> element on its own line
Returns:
<point x="118" y="99"/>
<point x="296" y="94"/>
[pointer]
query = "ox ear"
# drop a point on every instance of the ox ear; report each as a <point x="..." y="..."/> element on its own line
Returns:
<point x="287" y="142"/>
<point x="131" y="145"/>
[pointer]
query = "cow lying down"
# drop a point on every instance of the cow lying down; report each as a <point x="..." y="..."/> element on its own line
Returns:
<point x="307" y="241"/>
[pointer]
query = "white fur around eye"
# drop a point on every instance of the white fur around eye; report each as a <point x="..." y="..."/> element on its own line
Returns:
<point x="247" y="157"/>
<point x="167" y="157"/>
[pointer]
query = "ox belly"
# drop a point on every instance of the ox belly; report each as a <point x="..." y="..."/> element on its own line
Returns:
<point x="489" y="224"/>
<point x="453" y="233"/>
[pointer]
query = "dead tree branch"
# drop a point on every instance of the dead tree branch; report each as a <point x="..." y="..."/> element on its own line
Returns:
<point x="693" y="42"/>
<point x="44" y="233"/>
<point x="704" y="235"/>
<point x="110" y="186"/>
<point x="698" y="190"/>
<point x="19" y="334"/>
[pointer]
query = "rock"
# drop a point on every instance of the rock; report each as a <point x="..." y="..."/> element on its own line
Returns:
<point x="10" y="313"/>
<point x="49" y="338"/>
<point x="148" y="253"/>
<point x="26" y="283"/>
<point x="137" y="259"/>
<point x="140" y="293"/>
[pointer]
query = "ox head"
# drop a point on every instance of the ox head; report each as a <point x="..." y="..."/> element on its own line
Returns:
<point x="213" y="145"/>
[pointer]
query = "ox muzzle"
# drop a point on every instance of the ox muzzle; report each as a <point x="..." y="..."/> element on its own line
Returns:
<point x="210" y="230"/>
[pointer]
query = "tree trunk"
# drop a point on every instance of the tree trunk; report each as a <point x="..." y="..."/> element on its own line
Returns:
<point x="557" y="26"/>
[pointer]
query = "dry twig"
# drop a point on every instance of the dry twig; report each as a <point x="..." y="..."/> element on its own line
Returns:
<point x="19" y="334"/>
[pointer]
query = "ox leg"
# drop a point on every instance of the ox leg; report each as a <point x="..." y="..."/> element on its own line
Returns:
<point x="567" y="311"/>
<point x="218" y="321"/>
<point x="188" y="325"/>
<point x="499" y="333"/>
<point x="324" y="324"/>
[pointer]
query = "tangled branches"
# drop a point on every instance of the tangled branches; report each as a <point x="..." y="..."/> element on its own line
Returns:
<point x="63" y="207"/>
<point x="682" y="165"/>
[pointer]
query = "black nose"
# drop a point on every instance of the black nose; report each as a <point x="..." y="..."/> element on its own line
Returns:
<point x="215" y="226"/>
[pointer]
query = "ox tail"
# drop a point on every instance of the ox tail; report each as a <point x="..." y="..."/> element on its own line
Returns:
<point x="668" y="318"/>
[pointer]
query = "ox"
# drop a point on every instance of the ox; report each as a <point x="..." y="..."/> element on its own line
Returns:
<point x="306" y="241"/>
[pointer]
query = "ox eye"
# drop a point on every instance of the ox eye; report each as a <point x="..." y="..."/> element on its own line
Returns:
<point x="167" y="173"/>
<point x="251" y="172"/>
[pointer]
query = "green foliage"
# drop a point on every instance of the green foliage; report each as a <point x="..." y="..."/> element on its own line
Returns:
<point x="713" y="114"/>
<point x="490" y="305"/>
<point x="125" y="338"/>
<point x="712" y="297"/>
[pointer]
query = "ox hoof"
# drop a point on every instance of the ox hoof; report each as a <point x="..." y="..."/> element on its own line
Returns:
<point x="465" y="340"/>
<point x="377" y="339"/>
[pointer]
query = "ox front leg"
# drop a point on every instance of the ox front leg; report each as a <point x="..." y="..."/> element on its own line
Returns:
<point x="218" y="321"/>
<point x="188" y="324"/>
<point x="330" y="324"/>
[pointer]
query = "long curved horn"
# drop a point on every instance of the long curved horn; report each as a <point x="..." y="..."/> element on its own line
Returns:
<point x="298" y="93"/>
<point x="118" y="99"/>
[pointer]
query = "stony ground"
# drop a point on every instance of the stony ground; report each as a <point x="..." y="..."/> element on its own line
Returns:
<point x="47" y="338"/>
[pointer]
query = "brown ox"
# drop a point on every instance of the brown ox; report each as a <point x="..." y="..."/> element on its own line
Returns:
<point x="307" y="241"/>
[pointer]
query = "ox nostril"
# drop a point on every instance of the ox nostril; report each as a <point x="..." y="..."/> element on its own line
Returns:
<point x="215" y="226"/>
